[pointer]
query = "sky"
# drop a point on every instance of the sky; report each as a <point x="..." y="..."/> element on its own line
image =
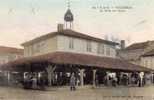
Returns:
<point x="23" y="20"/>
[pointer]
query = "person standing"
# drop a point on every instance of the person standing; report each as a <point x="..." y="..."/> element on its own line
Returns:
<point x="34" y="81"/>
<point x="42" y="81"/>
<point x="72" y="82"/>
<point x="114" y="81"/>
<point x="96" y="80"/>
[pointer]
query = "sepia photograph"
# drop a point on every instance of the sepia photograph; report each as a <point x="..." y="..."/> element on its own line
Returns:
<point x="76" y="50"/>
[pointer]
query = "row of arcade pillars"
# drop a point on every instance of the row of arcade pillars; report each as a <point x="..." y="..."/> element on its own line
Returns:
<point x="81" y="72"/>
<point x="95" y="71"/>
<point x="51" y="68"/>
<point x="9" y="78"/>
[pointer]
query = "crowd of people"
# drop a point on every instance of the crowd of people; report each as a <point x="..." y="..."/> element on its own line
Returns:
<point x="114" y="79"/>
<point x="133" y="79"/>
<point x="39" y="81"/>
<point x="34" y="81"/>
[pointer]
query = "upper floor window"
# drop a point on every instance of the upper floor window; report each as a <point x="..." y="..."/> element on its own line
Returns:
<point x="152" y="63"/>
<point x="42" y="44"/>
<point x="89" y="47"/>
<point x="146" y="63"/>
<point x="71" y="43"/>
<point x="37" y="48"/>
<point x="108" y="51"/>
<point x="100" y="49"/>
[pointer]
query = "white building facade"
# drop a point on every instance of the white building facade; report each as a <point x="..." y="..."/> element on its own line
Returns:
<point x="69" y="41"/>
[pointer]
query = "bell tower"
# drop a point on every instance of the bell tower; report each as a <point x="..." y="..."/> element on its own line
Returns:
<point x="68" y="17"/>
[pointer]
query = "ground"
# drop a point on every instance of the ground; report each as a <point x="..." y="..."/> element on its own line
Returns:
<point x="86" y="93"/>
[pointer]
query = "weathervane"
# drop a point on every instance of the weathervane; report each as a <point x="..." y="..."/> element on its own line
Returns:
<point x="68" y="4"/>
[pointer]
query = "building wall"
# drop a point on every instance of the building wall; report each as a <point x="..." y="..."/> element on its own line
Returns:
<point x="6" y="57"/>
<point x="69" y="44"/>
<point x="41" y="47"/>
<point x="150" y="46"/>
<point x="81" y="46"/>
<point x="131" y="55"/>
<point x="134" y="56"/>
<point x="148" y="62"/>
<point x="3" y="59"/>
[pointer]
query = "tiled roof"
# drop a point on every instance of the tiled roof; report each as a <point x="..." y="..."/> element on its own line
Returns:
<point x="76" y="59"/>
<point x="150" y="53"/>
<point x="4" y="49"/>
<point x="70" y="33"/>
<point x="137" y="46"/>
<point x="141" y="45"/>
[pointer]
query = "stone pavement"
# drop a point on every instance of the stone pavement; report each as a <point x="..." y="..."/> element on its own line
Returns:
<point x="102" y="93"/>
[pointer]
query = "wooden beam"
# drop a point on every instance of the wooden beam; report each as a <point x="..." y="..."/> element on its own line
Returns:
<point x="50" y="70"/>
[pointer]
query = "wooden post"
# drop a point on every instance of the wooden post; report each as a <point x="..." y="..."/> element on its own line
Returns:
<point x="81" y="76"/>
<point x="152" y="77"/>
<point x="94" y="77"/>
<point x="129" y="78"/>
<point x="50" y="70"/>
<point x="8" y="77"/>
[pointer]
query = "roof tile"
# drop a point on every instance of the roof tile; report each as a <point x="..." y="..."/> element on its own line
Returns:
<point x="70" y="33"/>
<point x="77" y="59"/>
<point x="4" y="49"/>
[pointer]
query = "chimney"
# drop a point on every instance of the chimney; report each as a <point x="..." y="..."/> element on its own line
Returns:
<point x="60" y="27"/>
<point x="122" y="44"/>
